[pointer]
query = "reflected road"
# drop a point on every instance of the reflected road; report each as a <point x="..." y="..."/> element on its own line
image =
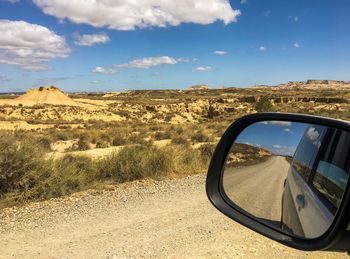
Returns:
<point x="258" y="188"/>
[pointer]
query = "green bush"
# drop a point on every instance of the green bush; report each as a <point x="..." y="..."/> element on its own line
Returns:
<point x="83" y="144"/>
<point x="45" y="143"/>
<point x="62" y="136"/>
<point x="136" y="139"/>
<point x="160" y="135"/>
<point x="185" y="159"/>
<point x="135" y="162"/>
<point x="179" y="140"/>
<point x="118" y="141"/>
<point x="207" y="151"/>
<point x="56" y="178"/>
<point x="264" y="105"/>
<point x="212" y="112"/>
<point x="176" y="129"/>
<point x="17" y="160"/>
<point x="199" y="136"/>
<point x="102" y="144"/>
<point x="105" y="137"/>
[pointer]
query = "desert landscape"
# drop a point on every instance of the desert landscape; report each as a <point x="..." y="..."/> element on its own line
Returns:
<point x="73" y="154"/>
<point x="173" y="132"/>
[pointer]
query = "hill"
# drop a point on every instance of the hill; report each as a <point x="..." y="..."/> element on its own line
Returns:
<point x="43" y="95"/>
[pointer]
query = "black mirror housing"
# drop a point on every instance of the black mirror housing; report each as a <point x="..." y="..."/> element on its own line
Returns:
<point x="336" y="238"/>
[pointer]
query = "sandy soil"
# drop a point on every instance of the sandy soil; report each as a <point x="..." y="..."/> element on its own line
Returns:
<point x="149" y="219"/>
<point x="23" y="125"/>
<point x="95" y="153"/>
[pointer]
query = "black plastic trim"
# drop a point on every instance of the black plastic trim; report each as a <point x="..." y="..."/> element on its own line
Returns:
<point x="337" y="238"/>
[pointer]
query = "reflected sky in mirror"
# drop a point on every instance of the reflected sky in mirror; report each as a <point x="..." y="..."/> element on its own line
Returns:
<point x="270" y="134"/>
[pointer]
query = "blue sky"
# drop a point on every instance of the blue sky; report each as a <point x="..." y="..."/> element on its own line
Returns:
<point x="85" y="47"/>
<point x="277" y="136"/>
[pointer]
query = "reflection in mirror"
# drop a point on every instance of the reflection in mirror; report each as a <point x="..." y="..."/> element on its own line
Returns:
<point x="289" y="175"/>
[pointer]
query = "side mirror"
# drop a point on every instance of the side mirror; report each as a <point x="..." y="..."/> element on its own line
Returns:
<point x="285" y="176"/>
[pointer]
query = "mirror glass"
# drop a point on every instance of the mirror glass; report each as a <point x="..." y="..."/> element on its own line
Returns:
<point x="289" y="175"/>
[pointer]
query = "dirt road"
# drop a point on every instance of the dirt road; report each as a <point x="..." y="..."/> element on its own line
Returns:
<point x="170" y="218"/>
<point x="258" y="189"/>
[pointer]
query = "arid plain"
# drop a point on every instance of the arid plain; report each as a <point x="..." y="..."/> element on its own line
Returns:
<point x="73" y="155"/>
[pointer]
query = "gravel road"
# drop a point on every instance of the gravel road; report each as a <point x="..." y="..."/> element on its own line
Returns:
<point x="258" y="188"/>
<point x="157" y="219"/>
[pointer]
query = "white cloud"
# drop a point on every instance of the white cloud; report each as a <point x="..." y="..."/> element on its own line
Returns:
<point x="105" y="71"/>
<point x="10" y="1"/>
<point x="129" y="15"/>
<point x="143" y="63"/>
<point x="262" y="48"/>
<point x="289" y="131"/>
<point x="267" y="13"/>
<point x="203" y="69"/>
<point x="29" y="46"/>
<point x="90" y="39"/>
<point x="293" y="18"/>
<point x="186" y="60"/>
<point x="52" y="80"/>
<point x="277" y="123"/>
<point x="244" y="2"/>
<point x="149" y="62"/>
<point x="281" y="123"/>
<point x="283" y="150"/>
<point x="296" y="45"/>
<point x="312" y="134"/>
<point x="220" y="52"/>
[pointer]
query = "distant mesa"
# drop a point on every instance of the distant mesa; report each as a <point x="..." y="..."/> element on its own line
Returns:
<point x="315" y="84"/>
<point x="199" y="87"/>
<point x="43" y="95"/>
<point x="324" y="82"/>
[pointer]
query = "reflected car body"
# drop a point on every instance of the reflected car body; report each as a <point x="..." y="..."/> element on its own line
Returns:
<point x="316" y="181"/>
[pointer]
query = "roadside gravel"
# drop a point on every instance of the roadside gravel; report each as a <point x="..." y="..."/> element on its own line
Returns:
<point x="148" y="219"/>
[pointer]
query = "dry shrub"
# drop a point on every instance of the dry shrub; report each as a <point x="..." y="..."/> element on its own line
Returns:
<point x="199" y="137"/>
<point x="16" y="161"/>
<point x="83" y="144"/>
<point x="135" y="162"/>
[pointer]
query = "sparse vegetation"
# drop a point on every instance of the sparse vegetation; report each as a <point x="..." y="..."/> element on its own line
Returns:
<point x="207" y="151"/>
<point x="179" y="140"/>
<point x="26" y="175"/>
<point x="83" y="144"/>
<point x="173" y="136"/>
<point x="264" y="105"/>
<point x="200" y="136"/>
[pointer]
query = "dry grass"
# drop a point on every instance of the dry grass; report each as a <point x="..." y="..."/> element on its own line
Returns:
<point x="132" y="135"/>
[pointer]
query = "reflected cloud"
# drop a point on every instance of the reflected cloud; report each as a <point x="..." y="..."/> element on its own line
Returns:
<point x="288" y="130"/>
<point x="313" y="135"/>
<point x="283" y="150"/>
<point x="277" y="123"/>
